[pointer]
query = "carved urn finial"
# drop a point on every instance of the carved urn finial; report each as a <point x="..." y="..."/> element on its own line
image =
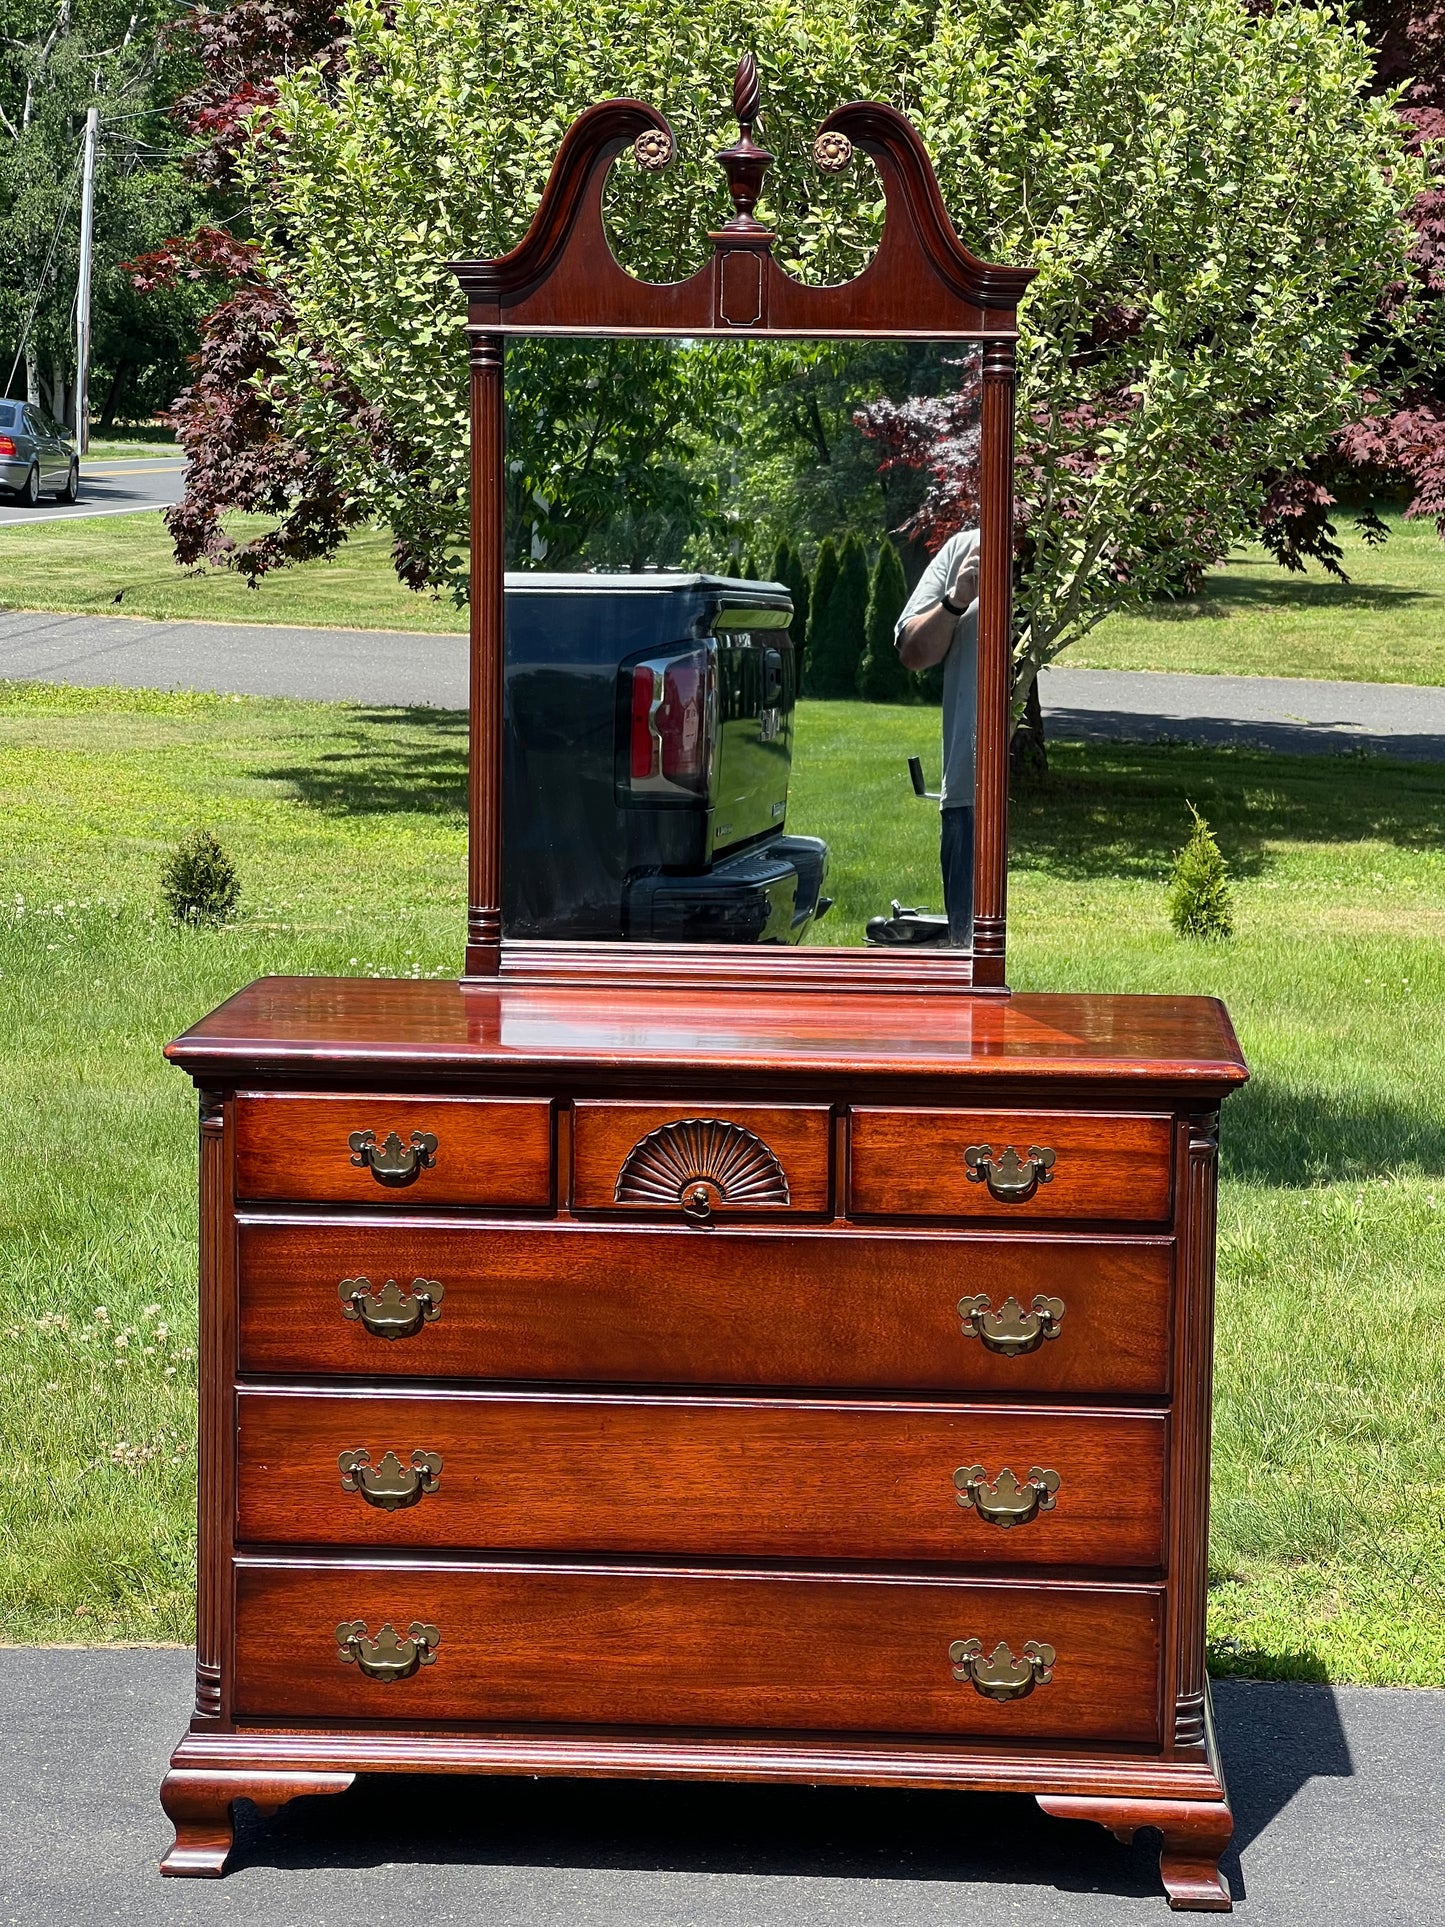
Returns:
<point x="744" y="162"/>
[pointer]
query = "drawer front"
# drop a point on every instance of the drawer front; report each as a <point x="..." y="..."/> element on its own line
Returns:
<point x="634" y="1304"/>
<point x="615" y="1646"/>
<point x="1010" y="1165"/>
<point x="705" y="1161"/>
<point x="395" y="1151"/>
<point x="764" y="1478"/>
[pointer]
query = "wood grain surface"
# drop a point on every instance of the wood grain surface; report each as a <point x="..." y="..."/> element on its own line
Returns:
<point x="645" y="1305"/>
<point x="750" y="1477"/>
<point x="489" y="1151"/>
<point x="396" y="1030"/>
<point x="910" y="1163"/>
<point x="604" y="1133"/>
<point x="672" y="1647"/>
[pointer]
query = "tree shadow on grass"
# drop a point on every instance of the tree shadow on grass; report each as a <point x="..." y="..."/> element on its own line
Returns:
<point x="387" y="762"/>
<point x="1236" y="591"/>
<point x="1275" y="1134"/>
<point x="1122" y="809"/>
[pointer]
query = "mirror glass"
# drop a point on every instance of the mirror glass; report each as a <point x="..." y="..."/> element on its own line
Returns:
<point x="741" y="641"/>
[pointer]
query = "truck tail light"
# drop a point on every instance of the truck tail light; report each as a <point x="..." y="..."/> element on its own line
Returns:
<point x="7" y="447"/>
<point x="671" y="722"/>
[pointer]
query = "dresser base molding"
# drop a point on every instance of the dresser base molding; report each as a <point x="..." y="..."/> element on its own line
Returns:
<point x="1184" y="1799"/>
<point x="197" y="1802"/>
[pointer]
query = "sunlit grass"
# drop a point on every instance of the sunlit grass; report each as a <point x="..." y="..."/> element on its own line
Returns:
<point x="348" y="825"/>
<point x="1386" y="624"/>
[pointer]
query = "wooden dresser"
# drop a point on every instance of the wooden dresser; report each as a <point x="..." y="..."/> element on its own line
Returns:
<point x="766" y="1386"/>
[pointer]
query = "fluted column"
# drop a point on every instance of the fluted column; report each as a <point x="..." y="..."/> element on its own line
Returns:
<point x="488" y="618"/>
<point x="995" y="625"/>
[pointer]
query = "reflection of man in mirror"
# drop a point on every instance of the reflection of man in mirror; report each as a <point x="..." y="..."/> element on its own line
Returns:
<point x="940" y="624"/>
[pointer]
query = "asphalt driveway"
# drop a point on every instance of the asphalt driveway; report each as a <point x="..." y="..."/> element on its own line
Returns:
<point x="1338" y="1795"/>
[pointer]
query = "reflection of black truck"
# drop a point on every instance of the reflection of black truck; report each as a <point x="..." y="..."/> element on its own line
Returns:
<point x="648" y="733"/>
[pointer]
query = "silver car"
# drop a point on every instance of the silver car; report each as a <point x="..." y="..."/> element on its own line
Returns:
<point x="36" y="457"/>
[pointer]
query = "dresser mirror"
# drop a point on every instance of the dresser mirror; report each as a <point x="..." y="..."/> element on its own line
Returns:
<point x="699" y="533"/>
<point x="646" y="799"/>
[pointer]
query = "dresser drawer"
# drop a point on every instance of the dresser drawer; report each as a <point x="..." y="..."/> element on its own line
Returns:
<point x="743" y="1477"/>
<point x="703" y="1161"/>
<point x="1010" y="1165"/>
<point x="758" y="1306"/>
<point x="395" y="1151"/>
<point x="631" y="1646"/>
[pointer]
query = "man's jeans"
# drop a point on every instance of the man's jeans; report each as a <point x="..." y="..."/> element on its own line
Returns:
<point x="956" y="853"/>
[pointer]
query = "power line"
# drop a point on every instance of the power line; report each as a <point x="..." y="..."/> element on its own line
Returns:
<point x="45" y="271"/>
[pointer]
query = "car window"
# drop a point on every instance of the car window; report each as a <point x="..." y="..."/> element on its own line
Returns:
<point x="9" y="415"/>
<point x="35" y="421"/>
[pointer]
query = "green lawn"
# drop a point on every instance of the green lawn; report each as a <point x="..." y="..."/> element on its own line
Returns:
<point x="1387" y="624"/>
<point x="1328" y="1547"/>
<point x="123" y="565"/>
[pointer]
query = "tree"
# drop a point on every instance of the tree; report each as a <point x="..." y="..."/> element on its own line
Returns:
<point x="835" y="644"/>
<point x="1399" y="441"/>
<point x="788" y="568"/>
<point x="881" y="676"/>
<point x="57" y="59"/>
<point x="823" y="582"/>
<point x="1212" y="197"/>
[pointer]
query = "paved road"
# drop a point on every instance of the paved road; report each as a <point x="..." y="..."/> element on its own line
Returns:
<point x="1260" y="712"/>
<point x="108" y="488"/>
<point x="383" y="666"/>
<point x="1337" y="1794"/>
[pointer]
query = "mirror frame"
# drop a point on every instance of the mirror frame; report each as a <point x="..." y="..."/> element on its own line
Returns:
<point x="563" y="279"/>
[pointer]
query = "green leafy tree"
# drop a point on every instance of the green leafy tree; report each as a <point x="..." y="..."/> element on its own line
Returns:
<point x="1211" y="194"/>
<point x="59" y="58"/>
<point x="1201" y="904"/>
<point x="881" y="676"/>
<point x="821" y="586"/>
<point x="835" y="648"/>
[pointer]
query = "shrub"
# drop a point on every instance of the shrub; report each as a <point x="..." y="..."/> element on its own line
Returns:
<point x="199" y="884"/>
<point x="788" y="568"/>
<point x="881" y="676"/>
<point x="1200" y="901"/>
<point x="835" y="647"/>
<point x="820" y="594"/>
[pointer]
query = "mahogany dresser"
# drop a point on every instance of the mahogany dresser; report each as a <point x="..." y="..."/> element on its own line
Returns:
<point x="664" y="1383"/>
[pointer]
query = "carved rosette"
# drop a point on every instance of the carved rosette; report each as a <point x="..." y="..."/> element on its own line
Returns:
<point x="700" y="1163"/>
<point x="832" y="152"/>
<point x="652" y="150"/>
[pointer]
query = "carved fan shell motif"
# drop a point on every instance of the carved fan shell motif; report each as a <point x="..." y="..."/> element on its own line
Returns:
<point x="732" y="1162"/>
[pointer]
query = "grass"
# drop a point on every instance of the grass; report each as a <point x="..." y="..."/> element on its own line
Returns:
<point x="1328" y="1551"/>
<point x="88" y="566"/>
<point x="1387" y="624"/>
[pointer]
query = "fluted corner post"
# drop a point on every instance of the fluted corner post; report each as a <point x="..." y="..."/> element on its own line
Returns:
<point x="213" y="1440"/>
<point x="488" y="620"/>
<point x="1193" y="1398"/>
<point x="995" y="640"/>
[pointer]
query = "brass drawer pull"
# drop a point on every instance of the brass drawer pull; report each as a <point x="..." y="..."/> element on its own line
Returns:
<point x="998" y="1675"/>
<point x="1010" y="1330"/>
<point x="1010" y="1178"/>
<point x="1006" y="1502"/>
<point x="388" y="1657"/>
<point x="393" y="1163"/>
<point x="391" y="1486"/>
<point x="388" y="1313"/>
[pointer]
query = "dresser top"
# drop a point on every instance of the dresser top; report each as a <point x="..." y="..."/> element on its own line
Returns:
<point x="294" y="1024"/>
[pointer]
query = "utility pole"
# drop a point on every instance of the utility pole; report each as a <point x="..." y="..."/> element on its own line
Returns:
<point x="82" y="297"/>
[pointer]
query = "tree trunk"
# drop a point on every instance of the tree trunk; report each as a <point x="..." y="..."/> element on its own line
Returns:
<point x="57" y="390"/>
<point x="32" y="376"/>
<point x="1028" y="752"/>
<point x="112" y="400"/>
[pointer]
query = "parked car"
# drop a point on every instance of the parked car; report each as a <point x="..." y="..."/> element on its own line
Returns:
<point x="648" y="733"/>
<point x="37" y="456"/>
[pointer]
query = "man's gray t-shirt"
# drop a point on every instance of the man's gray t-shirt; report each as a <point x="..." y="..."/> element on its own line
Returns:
<point x="960" y="669"/>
